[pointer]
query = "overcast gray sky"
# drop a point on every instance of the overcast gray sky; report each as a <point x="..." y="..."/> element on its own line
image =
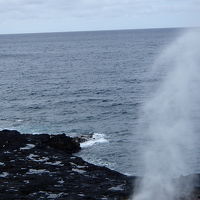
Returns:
<point x="22" y="16"/>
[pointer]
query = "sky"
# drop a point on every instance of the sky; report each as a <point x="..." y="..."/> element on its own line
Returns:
<point x="30" y="16"/>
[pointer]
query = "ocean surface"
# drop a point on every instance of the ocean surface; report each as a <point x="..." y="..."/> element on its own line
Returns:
<point x="82" y="83"/>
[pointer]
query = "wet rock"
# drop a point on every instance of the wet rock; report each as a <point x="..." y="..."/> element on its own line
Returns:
<point x="62" y="142"/>
<point x="43" y="167"/>
<point x="36" y="167"/>
<point x="10" y="140"/>
<point x="83" y="138"/>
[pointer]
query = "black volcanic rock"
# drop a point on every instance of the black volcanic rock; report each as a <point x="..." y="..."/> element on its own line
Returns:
<point x="40" y="167"/>
<point x="61" y="142"/>
<point x="43" y="167"/>
<point x="83" y="138"/>
<point x="11" y="139"/>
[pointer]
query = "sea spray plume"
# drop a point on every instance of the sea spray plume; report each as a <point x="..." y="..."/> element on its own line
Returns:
<point x="169" y="119"/>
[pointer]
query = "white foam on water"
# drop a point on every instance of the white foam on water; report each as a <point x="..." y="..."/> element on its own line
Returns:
<point x="117" y="188"/>
<point x="37" y="158"/>
<point x="27" y="147"/>
<point x="37" y="171"/>
<point x="80" y="171"/>
<point x="54" y="196"/>
<point x="4" y="174"/>
<point x="19" y="120"/>
<point x="56" y="163"/>
<point x="96" y="138"/>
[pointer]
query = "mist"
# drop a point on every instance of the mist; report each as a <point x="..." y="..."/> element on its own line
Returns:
<point x="169" y="120"/>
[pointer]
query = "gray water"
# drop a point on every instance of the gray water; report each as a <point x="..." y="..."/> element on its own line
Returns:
<point x="81" y="83"/>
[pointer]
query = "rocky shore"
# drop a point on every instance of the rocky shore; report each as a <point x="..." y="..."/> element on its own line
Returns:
<point x="43" y="167"/>
<point x="36" y="167"/>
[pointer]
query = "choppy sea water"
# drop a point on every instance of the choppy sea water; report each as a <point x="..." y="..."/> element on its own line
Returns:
<point x="81" y="83"/>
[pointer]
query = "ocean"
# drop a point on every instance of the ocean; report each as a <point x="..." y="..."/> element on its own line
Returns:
<point x="82" y="83"/>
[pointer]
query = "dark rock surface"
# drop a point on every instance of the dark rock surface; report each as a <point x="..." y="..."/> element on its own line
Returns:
<point x="40" y="167"/>
<point x="43" y="167"/>
<point x="83" y="138"/>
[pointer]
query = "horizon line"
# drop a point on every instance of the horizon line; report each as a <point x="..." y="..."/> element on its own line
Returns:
<point x="99" y="30"/>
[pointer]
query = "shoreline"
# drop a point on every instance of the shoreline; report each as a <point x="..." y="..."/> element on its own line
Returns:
<point x="44" y="166"/>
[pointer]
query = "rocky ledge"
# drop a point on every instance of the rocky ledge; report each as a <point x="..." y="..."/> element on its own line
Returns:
<point x="44" y="167"/>
<point x="36" y="167"/>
